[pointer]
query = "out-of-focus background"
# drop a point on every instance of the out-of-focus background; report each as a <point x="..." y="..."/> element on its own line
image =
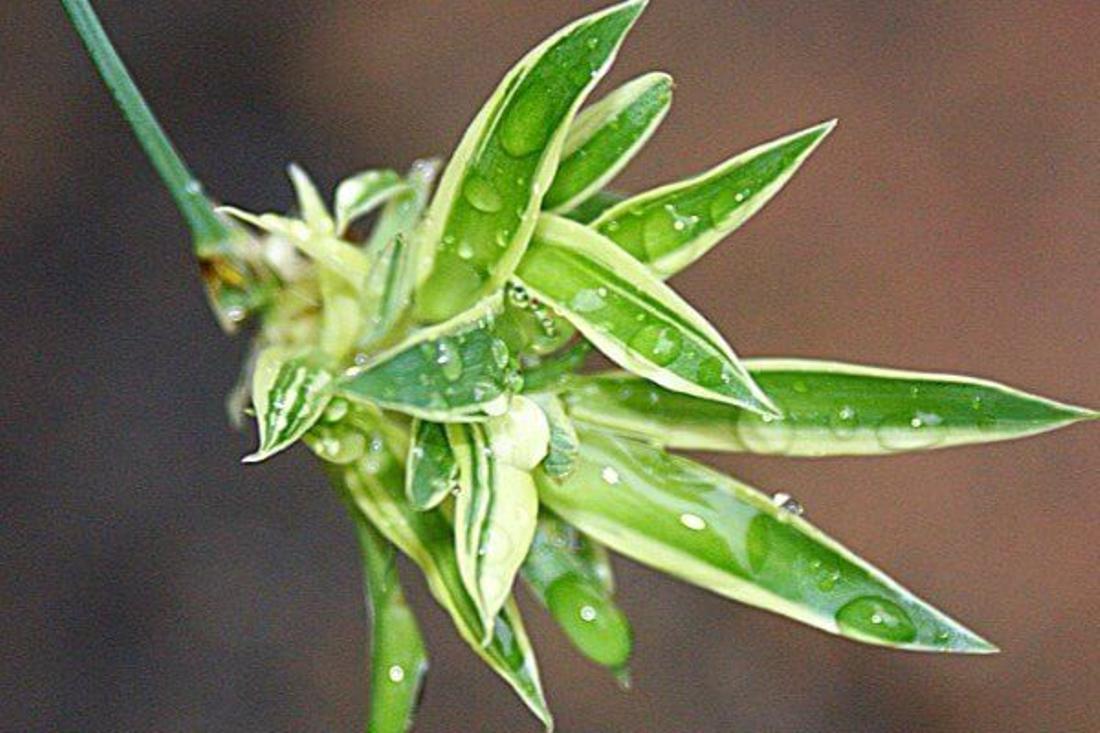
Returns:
<point x="149" y="582"/>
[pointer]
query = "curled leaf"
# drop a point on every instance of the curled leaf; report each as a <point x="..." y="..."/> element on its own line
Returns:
<point x="289" y="395"/>
<point x="497" y="503"/>
<point x="364" y="192"/>
<point x="431" y="471"/>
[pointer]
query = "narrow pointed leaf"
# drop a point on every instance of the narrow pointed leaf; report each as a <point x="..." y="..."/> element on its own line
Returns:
<point x="631" y="316"/>
<point x="561" y="571"/>
<point x="561" y="455"/>
<point x="289" y="395"/>
<point x="376" y="485"/>
<point x="402" y="213"/>
<point x="392" y="279"/>
<point x="310" y="204"/>
<point x="829" y="409"/>
<point x="388" y="291"/>
<point x="497" y="503"/>
<point x="482" y="216"/>
<point x="398" y="659"/>
<point x="431" y="470"/>
<point x="341" y="316"/>
<point x="670" y="227"/>
<point x="453" y="371"/>
<point x="698" y="525"/>
<point x="327" y="251"/>
<point x="590" y="209"/>
<point x="364" y="192"/>
<point x="604" y="138"/>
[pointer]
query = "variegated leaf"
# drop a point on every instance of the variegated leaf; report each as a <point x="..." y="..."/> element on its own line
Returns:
<point x="364" y="192"/>
<point x="564" y="571"/>
<point x="631" y="316"/>
<point x="687" y="520"/>
<point x="604" y="138"/>
<point x="431" y="471"/>
<point x="481" y="218"/>
<point x="670" y="227"/>
<point x="497" y="504"/>
<point x="829" y="409"/>
<point x="289" y="394"/>
<point x="376" y="485"/>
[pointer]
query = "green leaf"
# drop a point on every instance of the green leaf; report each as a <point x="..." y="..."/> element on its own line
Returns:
<point x="289" y="395"/>
<point x="364" y="192"/>
<point x="376" y="484"/>
<point x="388" y="291"/>
<point x="431" y="470"/>
<point x="670" y="227"/>
<point x="341" y="315"/>
<point x="398" y="659"/>
<point x="482" y="216"/>
<point x="590" y="209"/>
<point x="497" y="504"/>
<point x="687" y="520"/>
<point x="604" y="138"/>
<point x="556" y="372"/>
<point x="454" y="371"/>
<point x="631" y="316"/>
<point x="561" y="456"/>
<point x="564" y="571"/>
<point x="531" y="328"/>
<point x="829" y="409"/>
<point x="402" y="212"/>
<point x="327" y="251"/>
<point x="310" y="204"/>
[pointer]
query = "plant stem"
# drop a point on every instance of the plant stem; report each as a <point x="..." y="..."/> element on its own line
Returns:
<point x="205" y="225"/>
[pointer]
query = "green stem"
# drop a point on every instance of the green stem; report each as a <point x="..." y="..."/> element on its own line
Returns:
<point x="205" y="225"/>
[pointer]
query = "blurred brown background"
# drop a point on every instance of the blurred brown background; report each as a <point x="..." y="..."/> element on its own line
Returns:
<point x="149" y="582"/>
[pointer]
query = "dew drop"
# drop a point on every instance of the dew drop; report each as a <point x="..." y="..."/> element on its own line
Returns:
<point x="499" y="351"/>
<point x="712" y="372"/>
<point x="482" y="195"/>
<point x="588" y="614"/>
<point x="448" y="359"/>
<point x="909" y="432"/>
<point x="764" y="434"/>
<point x="609" y="475"/>
<point x="335" y="411"/>
<point x="787" y="503"/>
<point x="658" y="343"/>
<point x="587" y="301"/>
<point x="876" y="617"/>
<point x="465" y="250"/>
<point x="693" y="521"/>
<point x="526" y="126"/>
<point x="844" y="422"/>
<point x="396" y="674"/>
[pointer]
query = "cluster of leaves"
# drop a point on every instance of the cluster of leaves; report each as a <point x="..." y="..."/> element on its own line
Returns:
<point x="433" y="364"/>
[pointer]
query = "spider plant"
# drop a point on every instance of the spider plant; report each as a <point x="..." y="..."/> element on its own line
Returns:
<point x="434" y="363"/>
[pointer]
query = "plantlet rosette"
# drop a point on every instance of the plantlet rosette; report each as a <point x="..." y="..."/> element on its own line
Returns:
<point x="434" y="364"/>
